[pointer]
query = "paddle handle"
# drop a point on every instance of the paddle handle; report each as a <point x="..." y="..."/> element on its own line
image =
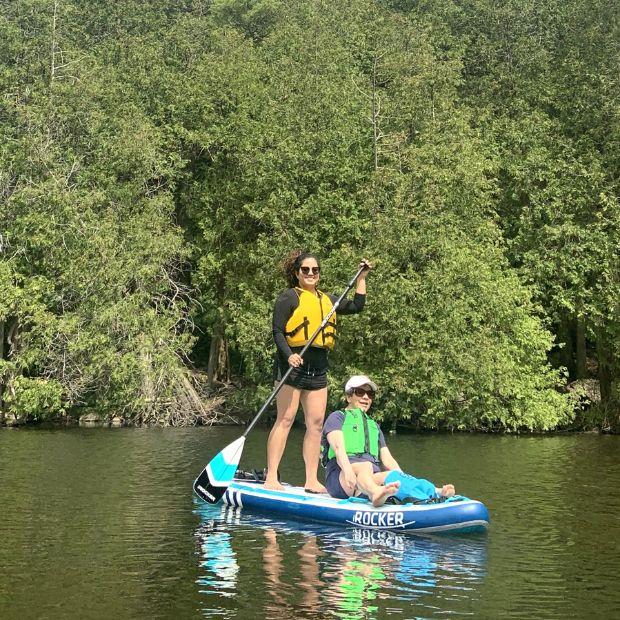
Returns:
<point x="275" y="391"/>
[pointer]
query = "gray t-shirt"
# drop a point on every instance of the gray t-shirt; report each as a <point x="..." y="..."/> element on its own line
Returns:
<point x="334" y="422"/>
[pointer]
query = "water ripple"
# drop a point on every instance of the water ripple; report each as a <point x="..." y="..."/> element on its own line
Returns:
<point x="101" y="523"/>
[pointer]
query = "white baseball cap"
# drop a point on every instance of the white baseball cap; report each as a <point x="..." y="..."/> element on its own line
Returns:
<point x="357" y="381"/>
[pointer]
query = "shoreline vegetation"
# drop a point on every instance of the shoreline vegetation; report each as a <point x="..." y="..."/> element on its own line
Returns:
<point x="158" y="159"/>
<point x="199" y="409"/>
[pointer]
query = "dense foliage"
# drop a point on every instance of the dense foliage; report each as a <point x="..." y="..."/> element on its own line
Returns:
<point x="158" y="159"/>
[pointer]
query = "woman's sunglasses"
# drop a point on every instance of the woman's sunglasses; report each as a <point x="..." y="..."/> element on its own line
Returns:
<point x="361" y="391"/>
<point x="306" y="270"/>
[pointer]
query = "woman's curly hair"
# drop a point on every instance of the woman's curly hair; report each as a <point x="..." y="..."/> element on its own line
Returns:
<point x="292" y="263"/>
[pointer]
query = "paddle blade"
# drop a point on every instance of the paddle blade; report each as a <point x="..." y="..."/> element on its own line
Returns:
<point x="219" y="473"/>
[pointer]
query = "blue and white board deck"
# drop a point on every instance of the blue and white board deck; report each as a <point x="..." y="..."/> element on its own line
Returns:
<point x="458" y="516"/>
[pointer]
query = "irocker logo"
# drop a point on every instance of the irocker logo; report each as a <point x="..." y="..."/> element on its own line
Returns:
<point x="204" y="492"/>
<point x="379" y="519"/>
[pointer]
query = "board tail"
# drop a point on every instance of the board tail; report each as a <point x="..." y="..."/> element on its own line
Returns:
<point x="214" y="479"/>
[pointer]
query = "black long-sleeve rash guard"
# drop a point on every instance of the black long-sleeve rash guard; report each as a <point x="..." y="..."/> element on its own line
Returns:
<point x="286" y="304"/>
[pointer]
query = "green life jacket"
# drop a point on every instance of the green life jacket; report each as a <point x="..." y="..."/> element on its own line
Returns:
<point x="361" y="435"/>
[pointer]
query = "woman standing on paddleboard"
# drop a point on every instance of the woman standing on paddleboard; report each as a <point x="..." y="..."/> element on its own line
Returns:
<point x="298" y="313"/>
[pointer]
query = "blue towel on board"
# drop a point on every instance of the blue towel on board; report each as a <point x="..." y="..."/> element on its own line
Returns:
<point x="418" y="488"/>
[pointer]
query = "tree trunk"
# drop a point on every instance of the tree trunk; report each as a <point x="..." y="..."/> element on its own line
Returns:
<point x="580" y="349"/>
<point x="605" y="375"/>
<point x="567" y="352"/>
<point x="12" y="336"/>
<point x="218" y="368"/>
<point x="148" y="385"/>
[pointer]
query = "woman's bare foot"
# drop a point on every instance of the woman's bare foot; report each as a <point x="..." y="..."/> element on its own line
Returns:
<point x="379" y="498"/>
<point x="273" y="485"/>
<point x="447" y="490"/>
<point x="315" y="487"/>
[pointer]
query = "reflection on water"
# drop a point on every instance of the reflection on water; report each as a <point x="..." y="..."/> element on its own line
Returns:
<point x="220" y="564"/>
<point x="101" y="523"/>
<point x="354" y="573"/>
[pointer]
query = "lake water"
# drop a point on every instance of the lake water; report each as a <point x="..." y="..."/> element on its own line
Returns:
<point x="102" y="523"/>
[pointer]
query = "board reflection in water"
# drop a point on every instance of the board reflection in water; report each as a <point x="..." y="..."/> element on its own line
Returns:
<point x="288" y="568"/>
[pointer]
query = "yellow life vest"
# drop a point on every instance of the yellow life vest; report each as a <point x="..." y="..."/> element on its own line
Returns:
<point x="307" y="318"/>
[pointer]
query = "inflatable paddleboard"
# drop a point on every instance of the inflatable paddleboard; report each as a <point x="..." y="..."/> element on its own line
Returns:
<point x="463" y="515"/>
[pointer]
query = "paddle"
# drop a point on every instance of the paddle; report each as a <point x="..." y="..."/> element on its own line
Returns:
<point x="214" y="479"/>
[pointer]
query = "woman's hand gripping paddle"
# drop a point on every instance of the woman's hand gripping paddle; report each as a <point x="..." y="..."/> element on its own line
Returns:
<point x="214" y="479"/>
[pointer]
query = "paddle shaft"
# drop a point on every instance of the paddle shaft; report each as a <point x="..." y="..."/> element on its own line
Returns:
<point x="301" y="354"/>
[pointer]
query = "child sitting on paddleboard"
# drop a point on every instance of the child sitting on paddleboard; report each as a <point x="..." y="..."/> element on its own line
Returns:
<point x="357" y="459"/>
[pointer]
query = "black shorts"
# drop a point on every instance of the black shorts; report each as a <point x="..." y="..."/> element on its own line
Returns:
<point x="302" y="378"/>
<point x="332" y="484"/>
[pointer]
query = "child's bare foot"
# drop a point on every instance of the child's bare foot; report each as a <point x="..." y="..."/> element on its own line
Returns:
<point x="447" y="490"/>
<point x="379" y="498"/>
